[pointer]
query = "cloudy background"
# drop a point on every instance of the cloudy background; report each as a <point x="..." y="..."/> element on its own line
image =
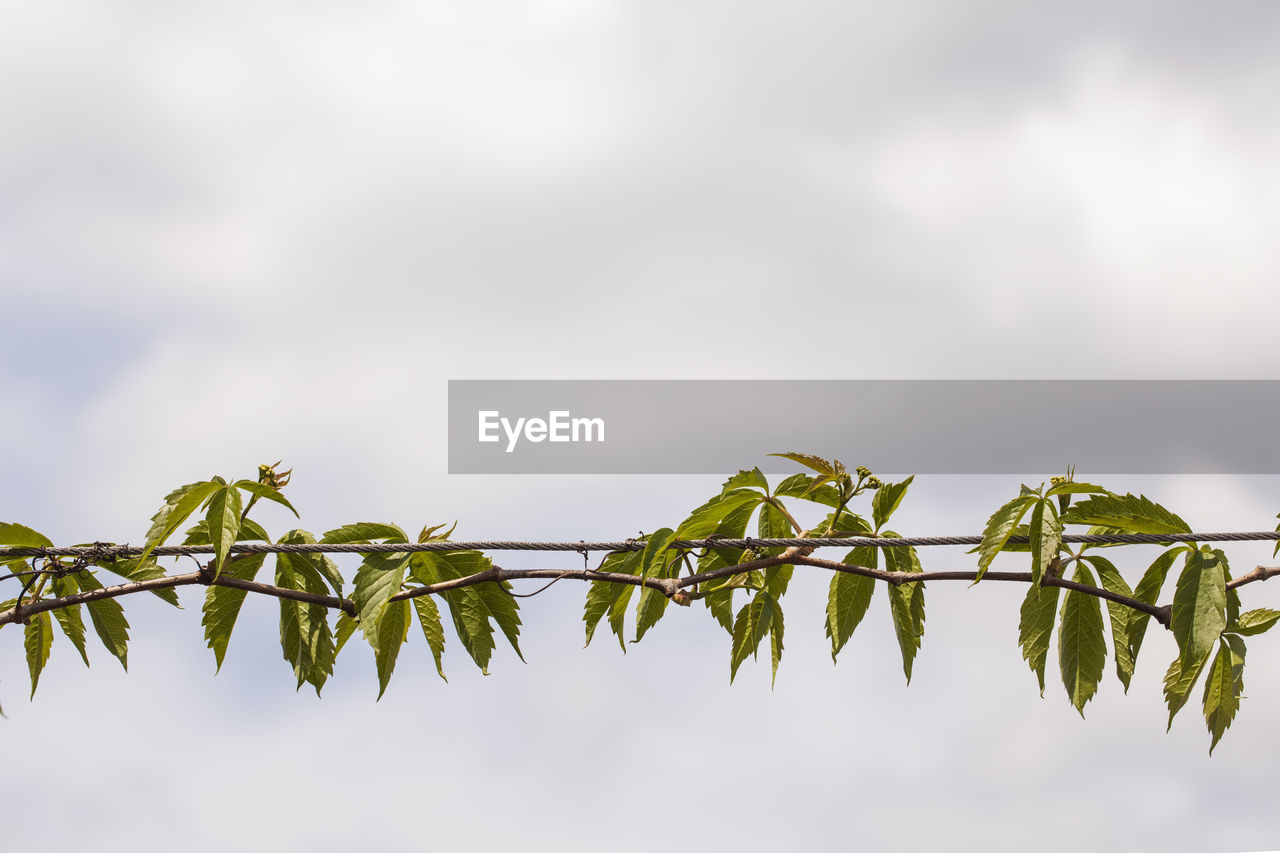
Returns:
<point x="255" y="231"/>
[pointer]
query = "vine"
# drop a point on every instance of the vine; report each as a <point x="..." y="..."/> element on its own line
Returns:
<point x="706" y="558"/>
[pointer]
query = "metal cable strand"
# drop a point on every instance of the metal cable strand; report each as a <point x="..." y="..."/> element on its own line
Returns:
<point x="102" y="552"/>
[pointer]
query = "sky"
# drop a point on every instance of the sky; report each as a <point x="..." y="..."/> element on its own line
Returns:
<point x="254" y="231"/>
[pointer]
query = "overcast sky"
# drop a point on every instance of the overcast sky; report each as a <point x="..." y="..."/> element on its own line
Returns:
<point x="241" y="232"/>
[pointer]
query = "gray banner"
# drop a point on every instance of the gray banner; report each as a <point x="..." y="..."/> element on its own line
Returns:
<point x="891" y="426"/>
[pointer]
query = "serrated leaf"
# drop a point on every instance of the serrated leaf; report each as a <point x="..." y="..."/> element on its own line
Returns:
<point x="847" y="524"/>
<point x="1178" y="681"/>
<point x="720" y="603"/>
<point x="808" y="488"/>
<point x="887" y="499"/>
<point x="472" y="607"/>
<point x="1257" y="621"/>
<point x="178" y="506"/>
<point x="393" y="631"/>
<point x="501" y="607"/>
<point x="108" y="620"/>
<point x="68" y="618"/>
<point x="1118" y="614"/>
<point x="1082" y="652"/>
<point x="307" y="642"/>
<point x="720" y="516"/>
<point x="1224" y="687"/>
<point x="655" y="559"/>
<point x="734" y="526"/>
<point x="319" y="563"/>
<point x="1038" y="614"/>
<point x="379" y="577"/>
<point x="263" y="490"/>
<point x="222" y="604"/>
<point x="432" y="628"/>
<point x="364" y="531"/>
<point x="1199" y="606"/>
<point x="999" y="528"/>
<point x="1045" y="537"/>
<point x="906" y="603"/>
<point x="753" y="479"/>
<point x="775" y="642"/>
<point x="305" y="637"/>
<point x="1125" y="513"/>
<point x="38" y="642"/>
<point x="650" y="609"/>
<point x="815" y="463"/>
<point x="773" y="524"/>
<point x="1072" y="488"/>
<point x="343" y="631"/>
<point x="849" y="597"/>
<point x="601" y="595"/>
<point x="749" y="629"/>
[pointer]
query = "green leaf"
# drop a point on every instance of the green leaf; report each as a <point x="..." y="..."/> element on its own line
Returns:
<point x="1082" y="653"/>
<point x="1118" y="614"/>
<point x="222" y="604"/>
<point x="1035" y="627"/>
<point x="849" y="597"/>
<point x="773" y="524"/>
<point x="753" y="479"/>
<point x="906" y="603"/>
<point x="69" y="619"/>
<point x="380" y="576"/>
<point x="393" y="631"/>
<point x="750" y="628"/>
<point x="1199" y="606"/>
<point x="887" y="499"/>
<point x="1126" y="513"/>
<point x="364" y="531"/>
<point x="1148" y="590"/>
<point x="38" y="641"/>
<point x="21" y="536"/>
<point x="1072" y="488"/>
<point x="472" y="607"/>
<point x="1224" y="687"/>
<point x="656" y="561"/>
<point x="178" y="506"/>
<point x="263" y="490"/>
<point x="1253" y="622"/>
<point x="816" y="463"/>
<point x="848" y="524"/>
<point x="343" y="631"/>
<point x="720" y="603"/>
<point x="719" y="513"/>
<point x="1045" y="537"/>
<point x="1178" y="681"/>
<point x="775" y="642"/>
<point x="808" y="488"/>
<point x="432" y="629"/>
<point x="108" y="620"/>
<point x="307" y="642"/>
<point x="999" y="528"/>
<point x="601" y="595"/>
<point x="655" y="558"/>
<point x="321" y="564"/>
<point x="305" y="637"/>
